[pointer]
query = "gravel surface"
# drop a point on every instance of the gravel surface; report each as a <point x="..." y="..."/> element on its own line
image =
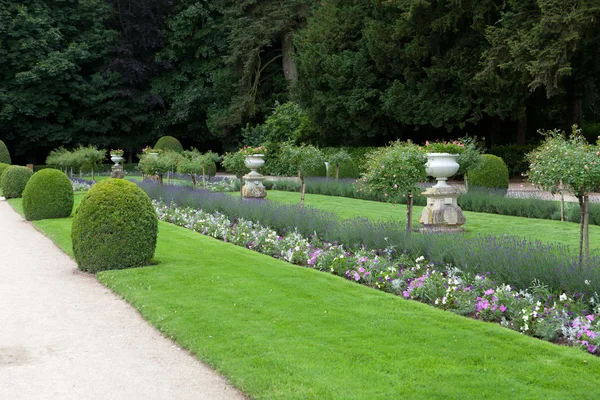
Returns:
<point x="65" y="336"/>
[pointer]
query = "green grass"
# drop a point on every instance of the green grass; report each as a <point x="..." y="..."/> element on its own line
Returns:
<point x="280" y="331"/>
<point x="477" y="223"/>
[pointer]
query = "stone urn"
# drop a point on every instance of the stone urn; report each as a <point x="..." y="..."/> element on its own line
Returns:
<point x="441" y="166"/>
<point x="442" y="212"/>
<point x="254" y="187"/>
<point x="116" y="158"/>
<point x="117" y="169"/>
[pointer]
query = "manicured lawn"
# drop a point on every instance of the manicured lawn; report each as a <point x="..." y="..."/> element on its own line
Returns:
<point x="477" y="223"/>
<point x="286" y="332"/>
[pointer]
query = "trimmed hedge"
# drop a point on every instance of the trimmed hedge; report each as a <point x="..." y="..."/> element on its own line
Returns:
<point x="115" y="227"/>
<point x="14" y="180"/>
<point x="492" y="173"/>
<point x="48" y="194"/>
<point x="169" y="143"/>
<point x="514" y="156"/>
<point x="3" y="167"/>
<point x="4" y="154"/>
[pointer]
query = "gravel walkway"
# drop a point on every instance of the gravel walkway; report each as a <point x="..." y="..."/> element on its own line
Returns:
<point x="65" y="336"/>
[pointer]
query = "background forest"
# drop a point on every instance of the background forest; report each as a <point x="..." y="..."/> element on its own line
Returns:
<point x="121" y="73"/>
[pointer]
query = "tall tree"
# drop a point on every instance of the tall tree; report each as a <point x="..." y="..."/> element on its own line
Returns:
<point x="51" y="53"/>
<point x="548" y="44"/>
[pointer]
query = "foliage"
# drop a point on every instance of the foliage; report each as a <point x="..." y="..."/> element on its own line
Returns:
<point x="82" y="158"/>
<point x="395" y="171"/>
<point x="303" y="158"/>
<point x="48" y="194"/>
<point x="168" y="143"/>
<point x="114" y="227"/>
<point x="14" y="179"/>
<point x="491" y="173"/>
<point x="249" y="150"/>
<point x="4" y="154"/>
<point x="234" y="163"/>
<point x="195" y="163"/>
<point x="341" y="156"/>
<point x="116" y="152"/>
<point x="160" y="164"/>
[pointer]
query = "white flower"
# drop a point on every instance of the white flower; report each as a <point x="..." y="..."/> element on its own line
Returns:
<point x="563" y="297"/>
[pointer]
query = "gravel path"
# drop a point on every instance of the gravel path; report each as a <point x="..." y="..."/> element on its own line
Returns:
<point x="65" y="336"/>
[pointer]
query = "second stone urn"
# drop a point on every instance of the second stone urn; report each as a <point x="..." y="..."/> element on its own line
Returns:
<point x="254" y="187"/>
<point x="442" y="212"/>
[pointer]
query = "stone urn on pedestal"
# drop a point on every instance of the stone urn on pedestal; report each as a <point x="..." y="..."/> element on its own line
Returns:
<point x="254" y="187"/>
<point x="442" y="212"/>
<point x="117" y="169"/>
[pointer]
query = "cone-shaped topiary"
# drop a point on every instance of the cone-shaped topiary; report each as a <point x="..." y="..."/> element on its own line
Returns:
<point x="3" y="167"/>
<point x="492" y="173"/>
<point x="115" y="227"/>
<point x="14" y="179"/>
<point x="169" y="143"/>
<point x="48" y="194"/>
<point x="4" y="154"/>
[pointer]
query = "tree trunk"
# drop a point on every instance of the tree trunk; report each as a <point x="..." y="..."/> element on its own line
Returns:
<point x="203" y="177"/>
<point x="409" y="206"/>
<point x="302" y="190"/>
<point x="586" y="227"/>
<point x="522" y="129"/>
<point x="337" y="171"/>
<point x="289" y="65"/>
<point x="466" y="177"/>
<point x="194" y="181"/>
<point x="562" y="202"/>
<point x="581" y="226"/>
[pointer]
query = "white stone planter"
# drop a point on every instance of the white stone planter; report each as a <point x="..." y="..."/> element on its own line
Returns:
<point x="254" y="187"/>
<point x="441" y="166"/>
<point x="116" y="159"/>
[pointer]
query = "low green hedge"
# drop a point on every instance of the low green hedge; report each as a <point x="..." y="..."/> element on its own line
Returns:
<point x="14" y="179"/>
<point x="48" y="194"/>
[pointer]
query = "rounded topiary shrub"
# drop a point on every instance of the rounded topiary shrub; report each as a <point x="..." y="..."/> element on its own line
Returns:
<point x="4" y="154"/>
<point x="14" y="179"/>
<point x="115" y="227"/>
<point x="3" y="167"/>
<point x="48" y="194"/>
<point x="492" y="173"/>
<point x="169" y="143"/>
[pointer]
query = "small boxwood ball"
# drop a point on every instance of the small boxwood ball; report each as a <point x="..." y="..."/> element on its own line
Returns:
<point x="114" y="227"/>
<point x="14" y="180"/>
<point x="4" y="154"/>
<point x="169" y="143"/>
<point x="48" y="194"/>
<point x="492" y="173"/>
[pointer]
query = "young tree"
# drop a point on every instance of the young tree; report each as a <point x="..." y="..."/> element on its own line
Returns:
<point x="234" y="163"/>
<point x="337" y="158"/>
<point x="159" y="165"/>
<point x="304" y="158"/>
<point x="395" y="171"/>
<point x="575" y="163"/>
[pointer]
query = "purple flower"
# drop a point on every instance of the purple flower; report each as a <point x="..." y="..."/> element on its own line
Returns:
<point x="489" y="292"/>
<point x="502" y="308"/>
<point x="406" y="294"/>
<point x="590" y="317"/>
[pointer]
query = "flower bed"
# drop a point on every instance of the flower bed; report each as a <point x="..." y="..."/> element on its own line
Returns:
<point x="537" y="311"/>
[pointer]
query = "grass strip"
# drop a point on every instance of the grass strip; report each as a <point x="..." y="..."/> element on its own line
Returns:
<point x="547" y="231"/>
<point x="280" y="331"/>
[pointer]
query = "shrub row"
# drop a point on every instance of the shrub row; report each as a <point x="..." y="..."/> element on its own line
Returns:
<point x="510" y="259"/>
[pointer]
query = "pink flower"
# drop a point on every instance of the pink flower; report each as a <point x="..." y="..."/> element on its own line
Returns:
<point x="489" y="292"/>
<point x="589" y="317"/>
<point x="502" y="308"/>
<point x="406" y="293"/>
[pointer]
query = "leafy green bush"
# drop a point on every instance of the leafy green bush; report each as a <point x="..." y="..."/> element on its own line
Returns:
<point x="48" y="194"/>
<point x="3" y="167"/>
<point x="491" y="173"/>
<point x="169" y="143"/>
<point x="115" y="227"/>
<point x="514" y="156"/>
<point x="14" y="180"/>
<point x="4" y="154"/>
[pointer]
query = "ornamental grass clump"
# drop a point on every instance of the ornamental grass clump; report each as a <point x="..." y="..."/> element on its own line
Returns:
<point x="48" y="194"/>
<point x="14" y="180"/>
<point x="115" y="227"/>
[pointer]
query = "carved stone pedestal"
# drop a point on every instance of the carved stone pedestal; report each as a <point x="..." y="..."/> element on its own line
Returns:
<point x="117" y="172"/>
<point x="254" y="187"/>
<point x="442" y="212"/>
